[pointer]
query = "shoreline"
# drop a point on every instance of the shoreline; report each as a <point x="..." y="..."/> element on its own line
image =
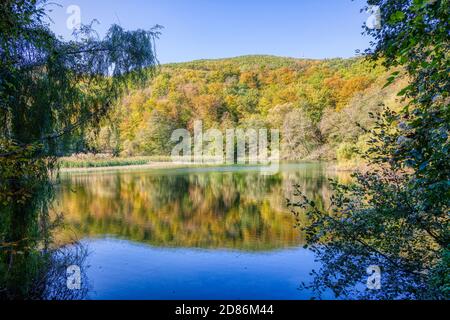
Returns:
<point x="155" y="166"/>
<point x="165" y="165"/>
<point x="150" y="165"/>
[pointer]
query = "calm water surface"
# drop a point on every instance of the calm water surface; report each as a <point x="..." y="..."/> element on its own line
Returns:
<point x="198" y="233"/>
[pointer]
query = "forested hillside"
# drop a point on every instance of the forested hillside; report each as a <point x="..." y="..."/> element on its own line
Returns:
<point x="316" y="104"/>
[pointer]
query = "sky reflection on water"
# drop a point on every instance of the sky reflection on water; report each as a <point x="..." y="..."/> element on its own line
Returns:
<point x="191" y="233"/>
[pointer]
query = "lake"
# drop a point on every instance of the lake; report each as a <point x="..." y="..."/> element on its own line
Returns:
<point x="193" y="233"/>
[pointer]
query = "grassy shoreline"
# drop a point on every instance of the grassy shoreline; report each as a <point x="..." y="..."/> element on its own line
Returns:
<point x="93" y="164"/>
<point x="153" y="165"/>
<point x="85" y="164"/>
<point x="95" y="161"/>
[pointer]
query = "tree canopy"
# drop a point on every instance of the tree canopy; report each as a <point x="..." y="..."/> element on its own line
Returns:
<point x="327" y="97"/>
<point x="50" y="90"/>
<point x="396" y="214"/>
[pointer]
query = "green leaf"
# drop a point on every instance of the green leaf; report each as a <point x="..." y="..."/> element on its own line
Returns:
<point x="397" y="17"/>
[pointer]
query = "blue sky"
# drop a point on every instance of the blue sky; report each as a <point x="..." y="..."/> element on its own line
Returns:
<point x="208" y="29"/>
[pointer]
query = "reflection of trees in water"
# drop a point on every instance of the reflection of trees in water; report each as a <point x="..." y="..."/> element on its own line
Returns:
<point x="344" y="272"/>
<point x="54" y="278"/>
<point x="31" y="266"/>
<point x="41" y="275"/>
<point x="243" y="210"/>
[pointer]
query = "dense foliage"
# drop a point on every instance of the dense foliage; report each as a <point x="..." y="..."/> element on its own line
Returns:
<point x="50" y="89"/>
<point x="315" y="103"/>
<point x="396" y="214"/>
